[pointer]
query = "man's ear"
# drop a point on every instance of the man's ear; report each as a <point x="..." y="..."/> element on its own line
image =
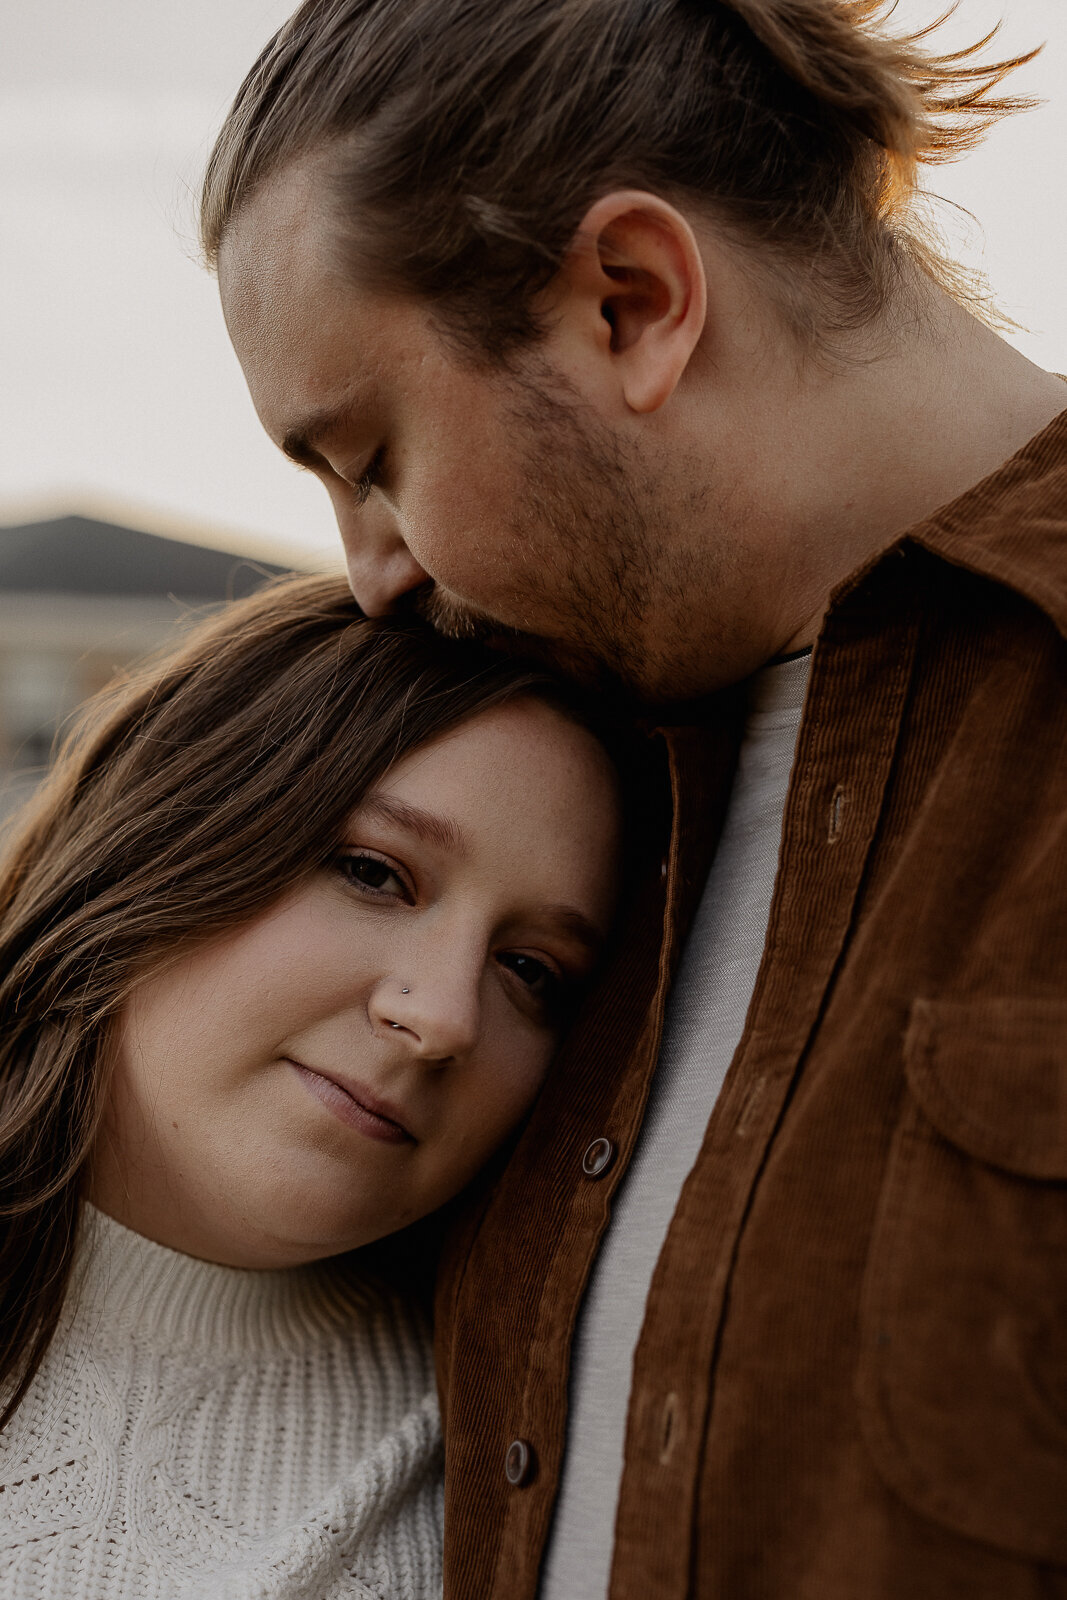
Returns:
<point x="634" y="281"/>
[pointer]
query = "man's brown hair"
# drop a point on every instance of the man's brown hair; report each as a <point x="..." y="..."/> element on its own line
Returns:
<point x="463" y="141"/>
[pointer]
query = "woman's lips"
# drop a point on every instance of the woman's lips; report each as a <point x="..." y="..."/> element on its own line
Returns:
<point x="356" y="1106"/>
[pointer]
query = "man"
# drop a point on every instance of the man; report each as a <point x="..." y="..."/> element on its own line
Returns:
<point x="607" y="326"/>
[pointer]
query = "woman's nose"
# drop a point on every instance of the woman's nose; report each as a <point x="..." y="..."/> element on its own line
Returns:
<point x="381" y="568"/>
<point x="434" y="1011"/>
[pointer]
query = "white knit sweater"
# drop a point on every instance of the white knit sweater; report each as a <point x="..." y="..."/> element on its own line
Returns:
<point x="200" y="1431"/>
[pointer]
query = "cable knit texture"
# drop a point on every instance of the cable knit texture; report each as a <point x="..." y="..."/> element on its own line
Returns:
<point x="203" y="1431"/>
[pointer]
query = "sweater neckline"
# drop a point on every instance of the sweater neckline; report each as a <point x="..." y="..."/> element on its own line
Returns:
<point x="128" y="1287"/>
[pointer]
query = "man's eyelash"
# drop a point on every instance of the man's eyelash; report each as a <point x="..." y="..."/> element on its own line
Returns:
<point x="366" y="481"/>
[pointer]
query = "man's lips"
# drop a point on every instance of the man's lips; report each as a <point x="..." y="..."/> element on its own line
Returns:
<point x="353" y="1104"/>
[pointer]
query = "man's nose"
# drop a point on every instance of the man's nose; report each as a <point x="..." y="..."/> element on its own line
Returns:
<point x="381" y="568"/>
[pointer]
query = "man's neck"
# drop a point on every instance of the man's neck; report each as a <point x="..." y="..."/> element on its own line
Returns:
<point x="880" y="444"/>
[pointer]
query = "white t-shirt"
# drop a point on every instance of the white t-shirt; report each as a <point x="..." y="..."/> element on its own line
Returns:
<point x="705" y="1020"/>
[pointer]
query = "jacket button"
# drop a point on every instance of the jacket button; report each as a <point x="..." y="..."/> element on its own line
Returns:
<point x="519" y="1463"/>
<point x="598" y="1158"/>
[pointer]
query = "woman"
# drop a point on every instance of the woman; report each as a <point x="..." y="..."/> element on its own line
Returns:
<point x="287" y="945"/>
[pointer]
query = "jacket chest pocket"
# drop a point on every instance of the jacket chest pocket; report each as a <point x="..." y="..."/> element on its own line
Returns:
<point x="962" y="1381"/>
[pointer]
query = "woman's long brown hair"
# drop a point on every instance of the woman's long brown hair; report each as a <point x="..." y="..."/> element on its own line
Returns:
<point x="191" y="796"/>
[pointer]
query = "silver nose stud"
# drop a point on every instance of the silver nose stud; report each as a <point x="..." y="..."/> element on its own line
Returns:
<point x="396" y="1024"/>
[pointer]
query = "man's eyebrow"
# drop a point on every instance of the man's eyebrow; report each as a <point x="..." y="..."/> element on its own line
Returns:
<point x="438" y="831"/>
<point x="300" y="441"/>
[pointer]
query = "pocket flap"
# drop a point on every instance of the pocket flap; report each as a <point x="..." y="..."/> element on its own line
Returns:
<point x="991" y="1075"/>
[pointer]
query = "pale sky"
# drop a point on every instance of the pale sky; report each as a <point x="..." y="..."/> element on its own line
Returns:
<point x="119" y="386"/>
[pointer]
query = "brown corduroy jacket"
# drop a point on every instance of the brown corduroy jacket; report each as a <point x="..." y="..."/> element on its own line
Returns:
<point x="851" y="1382"/>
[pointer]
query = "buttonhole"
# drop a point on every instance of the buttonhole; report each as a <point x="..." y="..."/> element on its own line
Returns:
<point x="750" y="1106"/>
<point x="837" y="811"/>
<point x="668" y="1432"/>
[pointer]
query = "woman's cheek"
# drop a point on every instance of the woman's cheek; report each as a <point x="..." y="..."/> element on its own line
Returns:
<point x="520" y="1086"/>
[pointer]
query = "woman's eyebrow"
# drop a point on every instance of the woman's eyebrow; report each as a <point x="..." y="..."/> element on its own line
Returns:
<point x="445" y="834"/>
<point x="576" y="924"/>
<point x="441" y="832"/>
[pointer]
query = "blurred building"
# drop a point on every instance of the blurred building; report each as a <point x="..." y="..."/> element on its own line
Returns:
<point x="79" y="599"/>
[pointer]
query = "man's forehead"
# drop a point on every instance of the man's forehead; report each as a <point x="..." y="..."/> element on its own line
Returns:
<point x="317" y="348"/>
<point x="275" y="250"/>
<point x="294" y="323"/>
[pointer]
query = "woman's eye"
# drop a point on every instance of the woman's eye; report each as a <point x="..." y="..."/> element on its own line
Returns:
<point x="368" y="872"/>
<point x="528" y="968"/>
<point x="544" y="985"/>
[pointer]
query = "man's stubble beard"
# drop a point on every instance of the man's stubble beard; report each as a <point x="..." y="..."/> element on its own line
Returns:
<point x="585" y="512"/>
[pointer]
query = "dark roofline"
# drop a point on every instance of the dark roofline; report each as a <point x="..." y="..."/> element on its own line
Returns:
<point x="84" y="556"/>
